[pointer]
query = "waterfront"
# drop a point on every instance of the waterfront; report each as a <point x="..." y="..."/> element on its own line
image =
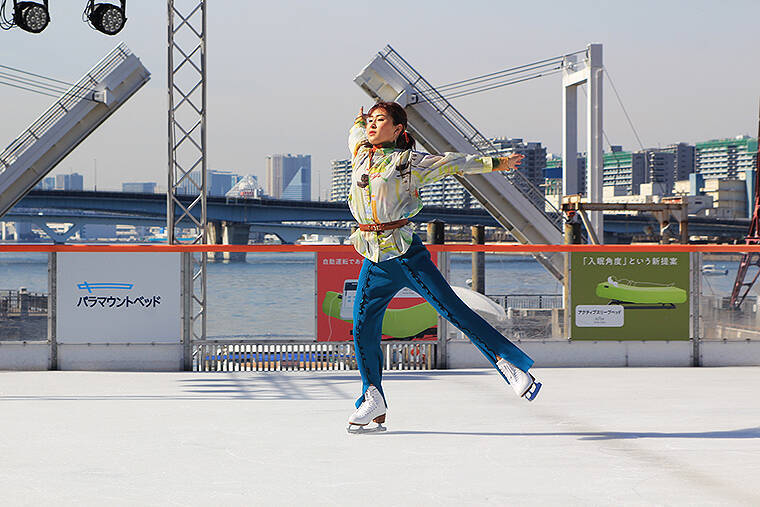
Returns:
<point x="272" y="295"/>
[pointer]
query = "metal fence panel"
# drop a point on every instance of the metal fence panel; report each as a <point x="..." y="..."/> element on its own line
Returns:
<point x="718" y="320"/>
<point x="215" y="355"/>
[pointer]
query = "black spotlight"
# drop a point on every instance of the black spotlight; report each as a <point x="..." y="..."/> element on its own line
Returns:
<point x="107" y="18"/>
<point x="31" y="16"/>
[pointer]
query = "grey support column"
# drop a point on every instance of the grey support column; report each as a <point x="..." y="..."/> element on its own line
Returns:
<point x="235" y="234"/>
<point x="435" y="236"/>
<point x="214" y="234"/>
<point x="52" y="304"/>
<point x="478" y="260"/>
<point x="186" y="298"/>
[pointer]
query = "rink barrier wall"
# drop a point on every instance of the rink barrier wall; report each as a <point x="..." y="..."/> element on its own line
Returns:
<point x="710" y="345"/>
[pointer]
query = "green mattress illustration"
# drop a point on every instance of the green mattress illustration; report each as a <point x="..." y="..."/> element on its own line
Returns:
<point x="398" y="323"/>
<point x="640" y="293"/>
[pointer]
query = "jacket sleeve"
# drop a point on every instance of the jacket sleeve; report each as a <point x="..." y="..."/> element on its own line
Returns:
<point x="427" y="169"/>
<point x="357" y="136"/>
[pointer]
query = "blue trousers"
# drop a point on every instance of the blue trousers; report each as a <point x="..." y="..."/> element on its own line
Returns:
<point x="380" y="281"/>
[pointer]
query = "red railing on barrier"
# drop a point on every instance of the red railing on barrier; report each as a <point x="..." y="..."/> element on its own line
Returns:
<point x="452" y="247"/>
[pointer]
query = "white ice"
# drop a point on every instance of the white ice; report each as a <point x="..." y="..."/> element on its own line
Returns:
<point x="594" y="436"/>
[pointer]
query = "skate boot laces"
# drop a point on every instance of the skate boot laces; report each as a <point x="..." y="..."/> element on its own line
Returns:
<point x="372" y="403"/>
<point x="523" y="383"/>
<point x="368" y="406"/>
<point x="508" y="369"/>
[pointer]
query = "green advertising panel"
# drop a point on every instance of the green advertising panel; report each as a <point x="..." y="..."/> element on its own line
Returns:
<point x="630" y="296"/>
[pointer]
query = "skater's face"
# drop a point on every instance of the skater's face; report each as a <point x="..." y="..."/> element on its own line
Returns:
<point x="380" y="127"/>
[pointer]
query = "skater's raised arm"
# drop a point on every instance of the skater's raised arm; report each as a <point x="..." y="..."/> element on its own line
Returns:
<point x="427" y="169"/>
<point x="357" y="136"/>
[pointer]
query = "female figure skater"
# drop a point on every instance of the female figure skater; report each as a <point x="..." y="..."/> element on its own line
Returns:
<point x="387" y="175"/>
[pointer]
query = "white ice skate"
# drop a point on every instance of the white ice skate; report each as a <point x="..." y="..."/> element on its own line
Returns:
<point x="372" y="409"/>
<point x="522" y="382"/>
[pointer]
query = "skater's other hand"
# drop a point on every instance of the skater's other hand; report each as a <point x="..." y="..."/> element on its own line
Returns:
<point x="361" y="116"/>
<point x="510" y="163"/>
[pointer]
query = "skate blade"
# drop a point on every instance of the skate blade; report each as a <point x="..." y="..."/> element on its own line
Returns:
<point x="532" y="391"/>
<point x="355" y="429"/>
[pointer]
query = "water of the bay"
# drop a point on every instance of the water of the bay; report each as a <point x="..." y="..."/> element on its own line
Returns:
<point x="272" y="295"/>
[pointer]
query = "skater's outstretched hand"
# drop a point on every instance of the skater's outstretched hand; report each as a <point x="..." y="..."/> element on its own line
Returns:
<point x="509" y="163"/>
<point x="361" y="116"/>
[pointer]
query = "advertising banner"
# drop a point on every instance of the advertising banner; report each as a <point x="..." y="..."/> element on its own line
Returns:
<point x="630" y="296"/>
<point x="408" y="316"/>
<point x="118" y="297"/>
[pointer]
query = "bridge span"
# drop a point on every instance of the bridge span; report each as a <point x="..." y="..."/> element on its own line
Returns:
<point x="278" y="216"/>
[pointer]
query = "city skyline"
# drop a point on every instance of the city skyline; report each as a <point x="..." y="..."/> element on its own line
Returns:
<point x="266" y="106"/>
<point x="551" y="162"/>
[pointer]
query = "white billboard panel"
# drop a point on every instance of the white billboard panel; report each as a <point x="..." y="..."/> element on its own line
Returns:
<point x="119" y="297"/>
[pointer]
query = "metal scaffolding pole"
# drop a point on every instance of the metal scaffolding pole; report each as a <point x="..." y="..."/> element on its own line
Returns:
<point x="186" y="189"/>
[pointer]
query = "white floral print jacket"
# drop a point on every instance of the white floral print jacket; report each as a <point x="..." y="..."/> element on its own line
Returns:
<point x="382" y="193"/>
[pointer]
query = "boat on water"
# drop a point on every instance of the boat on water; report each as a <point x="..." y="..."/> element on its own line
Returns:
<point x="319" y="239"/>
<point x="712" y="270"/>
<point x="641" y="295"/>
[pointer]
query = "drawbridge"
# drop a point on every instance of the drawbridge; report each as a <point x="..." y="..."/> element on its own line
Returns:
<point x="518" y="205"/>
<point x="74" y="116"/>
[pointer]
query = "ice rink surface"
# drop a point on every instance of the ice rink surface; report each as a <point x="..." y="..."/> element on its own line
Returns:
<point x="595" y="436"/>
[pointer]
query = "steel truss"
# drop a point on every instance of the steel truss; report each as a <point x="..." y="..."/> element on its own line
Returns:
<point x="749" y="259"/>
<point x="186" y="190"/>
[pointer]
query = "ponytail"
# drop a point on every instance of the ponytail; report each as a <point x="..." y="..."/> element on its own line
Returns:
<point x="405" y="141"/>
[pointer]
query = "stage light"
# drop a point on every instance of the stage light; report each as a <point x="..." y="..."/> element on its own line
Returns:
<point x="107" y="18"/>
<point x="31" y="16"/>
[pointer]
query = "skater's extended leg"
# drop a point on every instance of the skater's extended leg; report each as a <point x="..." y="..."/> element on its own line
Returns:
<point x="375" y="289"/>
<point x="511" y="362"/>
<point x="430" y="284"/>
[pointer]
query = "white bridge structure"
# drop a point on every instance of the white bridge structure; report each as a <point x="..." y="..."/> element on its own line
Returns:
<point x="73" y="117"/>
<point x="517" y="204"/>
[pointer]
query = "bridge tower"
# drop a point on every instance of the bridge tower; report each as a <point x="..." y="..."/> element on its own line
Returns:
<point x="575" y="74"/>
<point x="187" y="154"/>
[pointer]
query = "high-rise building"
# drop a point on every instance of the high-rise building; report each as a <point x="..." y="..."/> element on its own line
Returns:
<point x="726" y="158"/>
<point x="449" y="193"/>
<point x="289" y="177"/>
<point x="24" y="231"/>
<point x="685" y="159"/>
<point x="220" y="182"/>
<point x="73" y="181"/>
<point x="532" y="166"/>
<point x="341" y="180"/>
<point x="47" y="183"/>
<point x="553" y="175"/>
<point x="624" y="171"/>
<point x="147" y="187"/>
<point x="191" y="184"/>
<point x="660" y="171"/>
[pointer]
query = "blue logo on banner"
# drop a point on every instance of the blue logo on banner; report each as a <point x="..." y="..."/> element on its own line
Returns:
<point x="89" y="287"/>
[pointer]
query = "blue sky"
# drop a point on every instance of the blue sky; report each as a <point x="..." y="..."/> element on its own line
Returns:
<point x="281" y="73"/>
